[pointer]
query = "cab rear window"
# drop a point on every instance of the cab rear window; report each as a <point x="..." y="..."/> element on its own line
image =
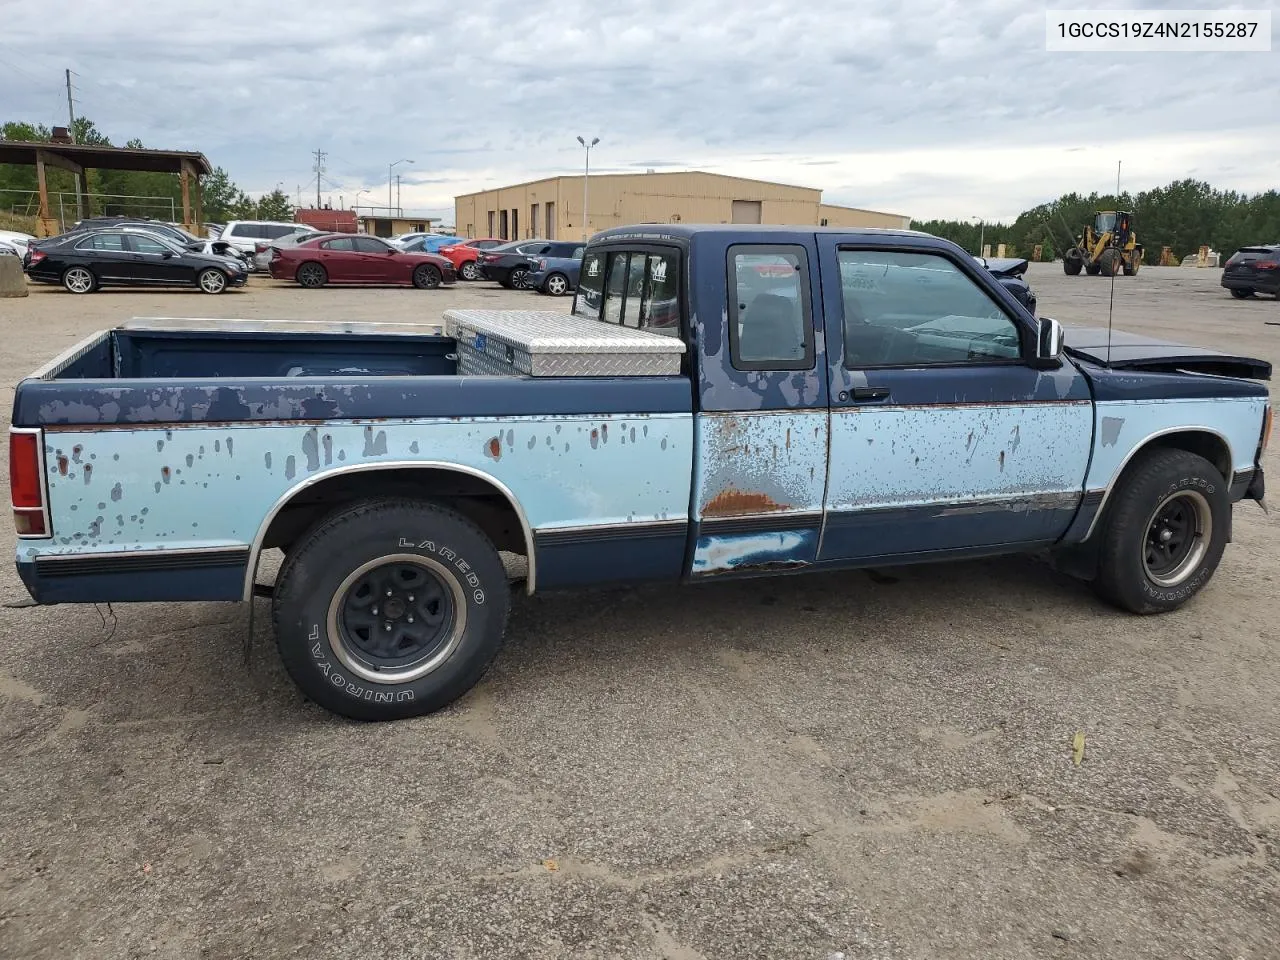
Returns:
<point x="632" y="288"/>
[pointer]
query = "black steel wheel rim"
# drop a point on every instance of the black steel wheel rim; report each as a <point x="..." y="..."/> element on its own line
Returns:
<point x="1177" y="538"/>
<point x="396" y="615"/>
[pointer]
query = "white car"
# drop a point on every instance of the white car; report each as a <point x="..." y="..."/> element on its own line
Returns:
<point x="19" y="241"/>
<point x="245" y="235"/>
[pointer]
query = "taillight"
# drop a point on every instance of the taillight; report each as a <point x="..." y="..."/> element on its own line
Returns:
<point x="1266" y="265"/>
<point x="26" y="483"/>
<point x="1266" y="432"/>
<point x="275" y="253"/>
<point x="37" y="255"/>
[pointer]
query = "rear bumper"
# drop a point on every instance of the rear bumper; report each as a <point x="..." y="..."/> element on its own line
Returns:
<point x="1268" y="281"/>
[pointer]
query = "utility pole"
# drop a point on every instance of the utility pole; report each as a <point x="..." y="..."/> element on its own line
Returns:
<point x="71" y="129"/>
<point x="390" y="175"/>
<point x="398" y="207"/>
<point x="320" y="155"/>
<point x="299" y="196"/>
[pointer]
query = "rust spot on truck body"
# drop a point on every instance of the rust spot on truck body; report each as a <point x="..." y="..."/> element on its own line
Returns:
<point x="495" y="448"/>
<point x="735" y="503"/>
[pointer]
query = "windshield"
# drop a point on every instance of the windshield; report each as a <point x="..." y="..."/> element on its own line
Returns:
<point x="1105" y="223"/>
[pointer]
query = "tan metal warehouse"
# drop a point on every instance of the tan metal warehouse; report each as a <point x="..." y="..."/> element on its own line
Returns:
<point x="552" y="208"/>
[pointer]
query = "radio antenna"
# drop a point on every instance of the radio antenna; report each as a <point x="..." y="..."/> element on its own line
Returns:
<point x="1111" y="306"/>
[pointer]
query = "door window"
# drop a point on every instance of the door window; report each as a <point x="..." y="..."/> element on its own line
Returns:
<point x="916" y="309"/>
<point x="369" y="245"/>
<point x="150" y="245"/>
<point x="770" y="323"/>
<point x="103" y="241"/>
<point x="343" y="244"/>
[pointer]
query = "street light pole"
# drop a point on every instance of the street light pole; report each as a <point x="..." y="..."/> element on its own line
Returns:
<point x="982" y="234"/>
<point x="586" y="176"/>
<point x="391" y="183"/>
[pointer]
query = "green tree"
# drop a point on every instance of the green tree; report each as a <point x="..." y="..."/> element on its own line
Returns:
<point x="219" y="195"/>
<point x="275" y="206"/>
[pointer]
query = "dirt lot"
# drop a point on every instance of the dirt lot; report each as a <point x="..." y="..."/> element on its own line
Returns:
<point x="843" y="765"/>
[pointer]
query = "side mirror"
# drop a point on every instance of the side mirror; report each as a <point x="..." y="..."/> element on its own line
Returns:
<point x="168" y="254"/>
<point x="1049" y="340"/>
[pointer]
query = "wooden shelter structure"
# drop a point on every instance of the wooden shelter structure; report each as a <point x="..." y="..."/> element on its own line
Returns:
<point x="78" y="158"/>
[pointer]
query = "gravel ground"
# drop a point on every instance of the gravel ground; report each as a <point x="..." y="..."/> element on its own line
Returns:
<point x="843" y="765"/>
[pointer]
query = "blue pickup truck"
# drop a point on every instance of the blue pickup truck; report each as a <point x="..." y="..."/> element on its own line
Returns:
<point x="722" y="401"/>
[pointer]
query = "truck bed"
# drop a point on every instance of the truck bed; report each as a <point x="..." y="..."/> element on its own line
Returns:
<point x="165" y="371"/>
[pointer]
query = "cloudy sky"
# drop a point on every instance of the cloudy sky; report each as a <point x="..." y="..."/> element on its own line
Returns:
<point x="933" y="109"/>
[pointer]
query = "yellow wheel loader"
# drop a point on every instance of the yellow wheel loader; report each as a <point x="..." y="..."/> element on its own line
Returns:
<point x="1107" y="246"/>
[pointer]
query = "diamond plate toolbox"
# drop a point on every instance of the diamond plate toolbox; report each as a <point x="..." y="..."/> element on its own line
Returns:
<point x="544" y="344"/>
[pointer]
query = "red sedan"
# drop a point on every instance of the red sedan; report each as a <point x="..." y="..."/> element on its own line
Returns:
<point x="463" y="255"/>
<point x="355" y="258"/>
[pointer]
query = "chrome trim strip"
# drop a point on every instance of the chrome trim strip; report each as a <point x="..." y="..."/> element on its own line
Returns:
<point x="64" y="359"/>
<point x="1137" y="448"/>
<point x="37" y="432"/>
<point x="631" y="525"/>
<point x="1042" y="496"/>
<point x="122" y="554"/>
<point x="255" y="548"/>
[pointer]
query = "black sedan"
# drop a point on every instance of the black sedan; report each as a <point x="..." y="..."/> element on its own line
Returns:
<point x="509" y="263"/>
<point x="83" y="262"/>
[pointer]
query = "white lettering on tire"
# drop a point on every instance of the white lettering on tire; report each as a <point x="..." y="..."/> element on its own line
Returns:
<point x="349" y="686"/>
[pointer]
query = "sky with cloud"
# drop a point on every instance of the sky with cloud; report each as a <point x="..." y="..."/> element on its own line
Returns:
<point x="932" y="109"/>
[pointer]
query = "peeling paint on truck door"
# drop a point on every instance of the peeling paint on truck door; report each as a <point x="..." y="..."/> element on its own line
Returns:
<point x="761" y="451"/>
<point x="943" y="436"/>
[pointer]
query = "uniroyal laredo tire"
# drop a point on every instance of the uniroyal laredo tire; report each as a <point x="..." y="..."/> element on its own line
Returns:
<point x="322" y="609"/>
<point x="1154" y="480"/>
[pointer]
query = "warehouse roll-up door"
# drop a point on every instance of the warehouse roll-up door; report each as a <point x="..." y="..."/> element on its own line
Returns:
<point x="746" y="211"/>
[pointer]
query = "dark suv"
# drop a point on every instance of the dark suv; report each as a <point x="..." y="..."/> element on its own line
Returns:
<point x="1253" y="270"/>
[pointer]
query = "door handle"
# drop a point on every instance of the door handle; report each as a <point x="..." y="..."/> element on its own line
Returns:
<point x="858" y="394"/>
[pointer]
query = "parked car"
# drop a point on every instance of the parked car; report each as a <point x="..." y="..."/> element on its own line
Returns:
<point x="7" y="249"/>
<point x="1253" y="270"/>
<point x="400" y="239"/>
<point x="556" y="271"/>
<point x="85" y="261"/>
<point x="213" y="230"/>
<point x="355" y="258"/>
<point x="665" y="431"/>
<point x="171" y="231"/>
<point x="430" y="244"/>
<point x="18" y="241"/>
<point x="1011" y="272"/>
<point x="245" y="235"/>
<point x="463" y="253"/>
<point x="261" y="258"/>
<point x="508" y="263"/>
<point x="262" y="251"/>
